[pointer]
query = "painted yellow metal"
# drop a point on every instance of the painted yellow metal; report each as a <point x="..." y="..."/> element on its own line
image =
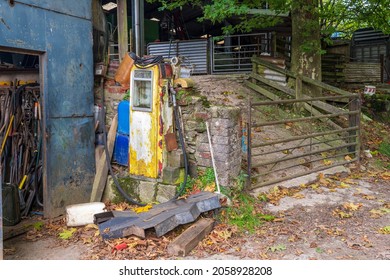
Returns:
<point x="145" y="154"/>
<point x="147" y="151"/>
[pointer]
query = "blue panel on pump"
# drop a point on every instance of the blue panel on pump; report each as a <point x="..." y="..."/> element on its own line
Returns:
<point x="123" y="117"/>
<point x="121" y="149"/>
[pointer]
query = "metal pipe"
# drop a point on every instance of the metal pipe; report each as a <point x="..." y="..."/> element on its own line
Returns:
<point x="307" y="162"/>
<point x="306" y="154"/>
<point x="305" y="136"/>
<point x="137" y="28"/>
<point x="288" y="101"/>
<point x="306" y="118"/>
<point x="297" y="175"/>
<point x="301" y="146"/>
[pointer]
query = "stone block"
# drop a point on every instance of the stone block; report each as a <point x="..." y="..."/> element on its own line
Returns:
<point x="171" y="174"/>
<point x="175" y="158"/>
<point x="223" y="123"/>
<point x="165" y="192"/>
<point x="204" y="162"/>
<point x="109" y="194"/>
<point x="190" y="125"/>
<point x="225" y="112"/>
<point x="203" y="147"/>
<point x="202" y="115"/>
<point x="193" y="169"/>
<point x="147" y="191"/>
<point x="221" y="149"/>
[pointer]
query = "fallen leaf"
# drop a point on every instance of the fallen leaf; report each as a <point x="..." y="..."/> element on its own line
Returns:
<point x="327" y="162"/>
<point x="348" y="158"/>
<point x="279" y="247"/>
<point x="38" y="225"/>
<point x="384" y="230"/>
<point x="341" y="214"/>
<point x="351" y="206"/>
<point x="368" y="197"/>
<point x="298" y="196"/>
<point x="142" y="209"/>
<point x="344" y="185"/>
<point x="67" y="233"/>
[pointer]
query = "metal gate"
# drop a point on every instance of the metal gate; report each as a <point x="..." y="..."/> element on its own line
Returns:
<point x="294" y="135"/>
<point x="233" y="53"/>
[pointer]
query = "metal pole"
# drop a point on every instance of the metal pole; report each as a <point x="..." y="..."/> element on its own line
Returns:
<point x="212" y="158"/>
<point x="137" y="27"/>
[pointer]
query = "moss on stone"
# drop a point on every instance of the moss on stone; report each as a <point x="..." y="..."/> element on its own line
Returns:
<point x="129" y="185"/>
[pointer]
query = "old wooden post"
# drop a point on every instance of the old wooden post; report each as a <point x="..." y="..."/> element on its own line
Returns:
<point x="123" y="39"/>
<point x="298" y="94"/>
<point x="248" y="139"/>
<point x="354" y="121"/>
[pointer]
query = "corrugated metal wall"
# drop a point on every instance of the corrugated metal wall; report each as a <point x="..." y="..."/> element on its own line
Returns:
<point x="368" y="45"/>
<point x="195" y="52"/>
<point x="60" y="32"/>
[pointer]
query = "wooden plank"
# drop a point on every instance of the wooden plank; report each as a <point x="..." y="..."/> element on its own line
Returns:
<point x="102" y="169"/>
<point x="319" y="104"/>
<point x="262" y="91"/>
<point x="189" y="239"/>
<point x="304" y="78"/>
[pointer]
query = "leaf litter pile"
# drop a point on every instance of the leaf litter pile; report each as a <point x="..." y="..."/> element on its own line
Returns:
<point x="357" y="226"/>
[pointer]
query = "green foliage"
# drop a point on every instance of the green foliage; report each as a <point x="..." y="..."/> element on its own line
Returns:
<point x="38" y="226"/>
<point x="245" y="214"/>
<point x="208" y="177"/>
<point x="205" y="180"/>
<point x="126" y="96"/>
<point x="67" y="233"/>
<point x="384" y="149"/>
<point x="276" y="248"/>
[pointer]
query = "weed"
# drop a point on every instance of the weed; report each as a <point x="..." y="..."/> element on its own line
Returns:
<point x="245" y="214"/>
<point x="126" y="96"/>
<point x="279" y="247"/>
<point x="384" y="149"/>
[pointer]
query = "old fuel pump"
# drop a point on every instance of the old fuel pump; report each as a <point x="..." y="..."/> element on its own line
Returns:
<point x="151" y="118"/>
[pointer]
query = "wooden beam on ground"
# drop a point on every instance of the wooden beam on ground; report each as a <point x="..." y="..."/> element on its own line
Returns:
<point x="102" y="168"/>
<point x="189" y="239"/>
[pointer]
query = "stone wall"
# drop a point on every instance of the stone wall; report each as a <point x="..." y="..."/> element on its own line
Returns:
<point x="225" y="130"/>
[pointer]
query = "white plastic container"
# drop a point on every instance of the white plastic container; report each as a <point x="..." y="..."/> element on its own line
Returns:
<point x="369" y="90"/>
<point x="82" y="214"/>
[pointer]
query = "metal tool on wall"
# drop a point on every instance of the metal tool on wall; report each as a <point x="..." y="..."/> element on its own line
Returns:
<point x="21" y="142"/>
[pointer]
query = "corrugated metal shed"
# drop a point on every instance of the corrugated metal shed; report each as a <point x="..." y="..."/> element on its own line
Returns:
<point x="195" y="52"/>
<point x="369" y="45"/>
<point x="60" y="32"/>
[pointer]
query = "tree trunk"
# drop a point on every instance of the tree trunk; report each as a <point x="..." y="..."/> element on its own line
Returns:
<point x="306" y="42"/>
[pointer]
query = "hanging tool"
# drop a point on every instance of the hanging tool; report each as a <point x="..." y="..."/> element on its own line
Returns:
<point x="6" y="134"/>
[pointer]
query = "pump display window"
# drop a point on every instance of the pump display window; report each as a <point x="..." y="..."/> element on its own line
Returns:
<point x="142" y="90"/>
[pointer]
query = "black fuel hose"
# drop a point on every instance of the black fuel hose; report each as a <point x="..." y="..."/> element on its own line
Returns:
<point x="182" y="144"/>
<point x="146" y="62"/>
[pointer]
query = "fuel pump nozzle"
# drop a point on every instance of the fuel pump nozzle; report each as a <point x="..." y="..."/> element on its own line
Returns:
<point x="172" y="92"/>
